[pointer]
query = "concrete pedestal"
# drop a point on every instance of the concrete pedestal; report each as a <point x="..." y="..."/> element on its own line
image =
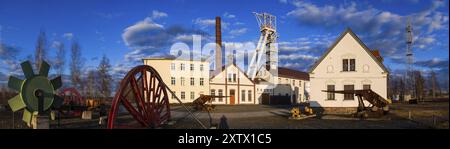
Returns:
<point x="86" y="115"/>
<point x="40" y="122"/>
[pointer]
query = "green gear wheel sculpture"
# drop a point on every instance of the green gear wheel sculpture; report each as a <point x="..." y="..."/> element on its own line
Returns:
<point x="36" y="92"/>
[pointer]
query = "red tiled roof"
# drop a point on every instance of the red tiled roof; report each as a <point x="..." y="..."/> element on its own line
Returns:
<point x="290" y="73"/>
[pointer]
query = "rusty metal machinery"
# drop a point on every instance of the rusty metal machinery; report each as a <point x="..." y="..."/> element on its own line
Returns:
<point x="73" y="103"/>
<point x="143" y="94"/>
<point x="36" y="92"/>
<point x="372" y="97"/>
<point x="204" y="102"/>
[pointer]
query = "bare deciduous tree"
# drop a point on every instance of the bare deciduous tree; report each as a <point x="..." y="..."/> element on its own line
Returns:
<point x="60" y="58"/>
<point x="76" y="65"/>
<point x="41" y="49"/>
<point x="419" y="85"/>
<point x="91" y="85"/>
<point x="105" y="77"/>
<point x="435" y="89"/>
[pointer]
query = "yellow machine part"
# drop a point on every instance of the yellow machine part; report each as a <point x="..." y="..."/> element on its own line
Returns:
<point x="308" y="110"/>
<point x="389" y="101"/>
<point x="92" y="103"/>
<point x="295" y="112"/>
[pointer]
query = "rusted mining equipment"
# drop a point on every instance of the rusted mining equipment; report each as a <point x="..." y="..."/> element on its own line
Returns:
<point x="144" y="95"/>
<point x="375" y="100"/>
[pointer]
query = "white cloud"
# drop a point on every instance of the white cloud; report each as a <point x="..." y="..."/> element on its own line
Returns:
<point x="108" y="15"/>
<point x="55" y="44"/>
<point x="237" y="32"/>
<point x="184" y="37"/>
<point x="147" y="38"/>
<point x="297" y="57"/>
<point x="139" y="33"/>
<point x="293" y="65"/>
<point x="205" y="22"/>
<point x="228" y="15"/>
<point x="379" y="29"/>
<point x="68" y="36"/>
<point x="239" y="23"/>
<point x="158" y="14"/>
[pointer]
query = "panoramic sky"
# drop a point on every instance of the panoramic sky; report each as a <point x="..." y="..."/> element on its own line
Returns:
<point x="126" y="31"/>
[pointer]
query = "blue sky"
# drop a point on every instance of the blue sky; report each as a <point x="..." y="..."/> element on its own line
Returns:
<point x="126" y="31"/>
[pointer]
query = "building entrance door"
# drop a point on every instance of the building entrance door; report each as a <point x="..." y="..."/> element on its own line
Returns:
<point x="232" y="99"/>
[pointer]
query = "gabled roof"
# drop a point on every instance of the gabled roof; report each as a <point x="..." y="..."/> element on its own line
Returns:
<point x="348" y="30"/>
<point x="217" y="72"/>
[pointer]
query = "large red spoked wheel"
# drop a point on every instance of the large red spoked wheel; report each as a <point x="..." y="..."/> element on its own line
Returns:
<point x="72" y="98"/>
<point x="145" y="99"/>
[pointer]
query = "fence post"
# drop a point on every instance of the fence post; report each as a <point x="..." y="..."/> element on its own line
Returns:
<point x="13" y="125"/>
<point x="409" y="115"/>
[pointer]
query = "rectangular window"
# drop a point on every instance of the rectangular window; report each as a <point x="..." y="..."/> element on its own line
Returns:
<point x="192" y="81"/>
<point x="220" y="94"/>
<point x="352" y="64"/>
<point x="234" y="77"/>
<point x="192" y="67"/>
<point x="330" y="96"/>
<point x="249" y="95"/>
<point x="172" y="80"/>
<point x="182" y="66"/>
<point x="173" y="95"/>
<point x="243" y="95"/>
<point x="366" y="86"/>
<point x="201" y="67"/>
<point x="182" y="81"/>
<point x="229" y="77"/>
<point x="172" y="66"/>
<point x="348" y="88"/>
<point x="192" y="95"/>
<point x="213" y="93"/>
<point x="299" y="83"/>
<point x="202" y="80"/>
<point x="183" y="96"/>
<point x="345" y="65"/>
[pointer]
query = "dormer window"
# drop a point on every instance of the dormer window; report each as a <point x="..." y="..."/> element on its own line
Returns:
<point x="348" y="65"/>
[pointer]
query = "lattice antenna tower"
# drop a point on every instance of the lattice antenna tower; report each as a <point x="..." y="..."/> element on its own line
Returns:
<point x="409" y="56"/>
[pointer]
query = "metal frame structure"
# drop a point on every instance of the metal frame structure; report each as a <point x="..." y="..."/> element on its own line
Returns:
<point x="267" y="24"/>
<point x="36" y="92"/>
<point x="368" y="95"/>
<point x="145" y="96"/>
<point x="409" y="77"/>
<point x="73" y="104"/>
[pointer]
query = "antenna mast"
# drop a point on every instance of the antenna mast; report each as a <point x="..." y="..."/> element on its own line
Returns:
<point x="409" y="78"/>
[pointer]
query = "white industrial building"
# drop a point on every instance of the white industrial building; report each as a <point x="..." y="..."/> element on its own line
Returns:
<point x="348" y="64"/>
<point x="188" y="79"/>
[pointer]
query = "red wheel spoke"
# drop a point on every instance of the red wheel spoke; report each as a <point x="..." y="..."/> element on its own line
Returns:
<point x="133" y="112"/>
<point x="138" y="97"/>
<point x="150" y="95"/>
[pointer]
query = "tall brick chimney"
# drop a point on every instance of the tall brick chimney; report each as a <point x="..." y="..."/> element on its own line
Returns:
<point x="218" y="44"/>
